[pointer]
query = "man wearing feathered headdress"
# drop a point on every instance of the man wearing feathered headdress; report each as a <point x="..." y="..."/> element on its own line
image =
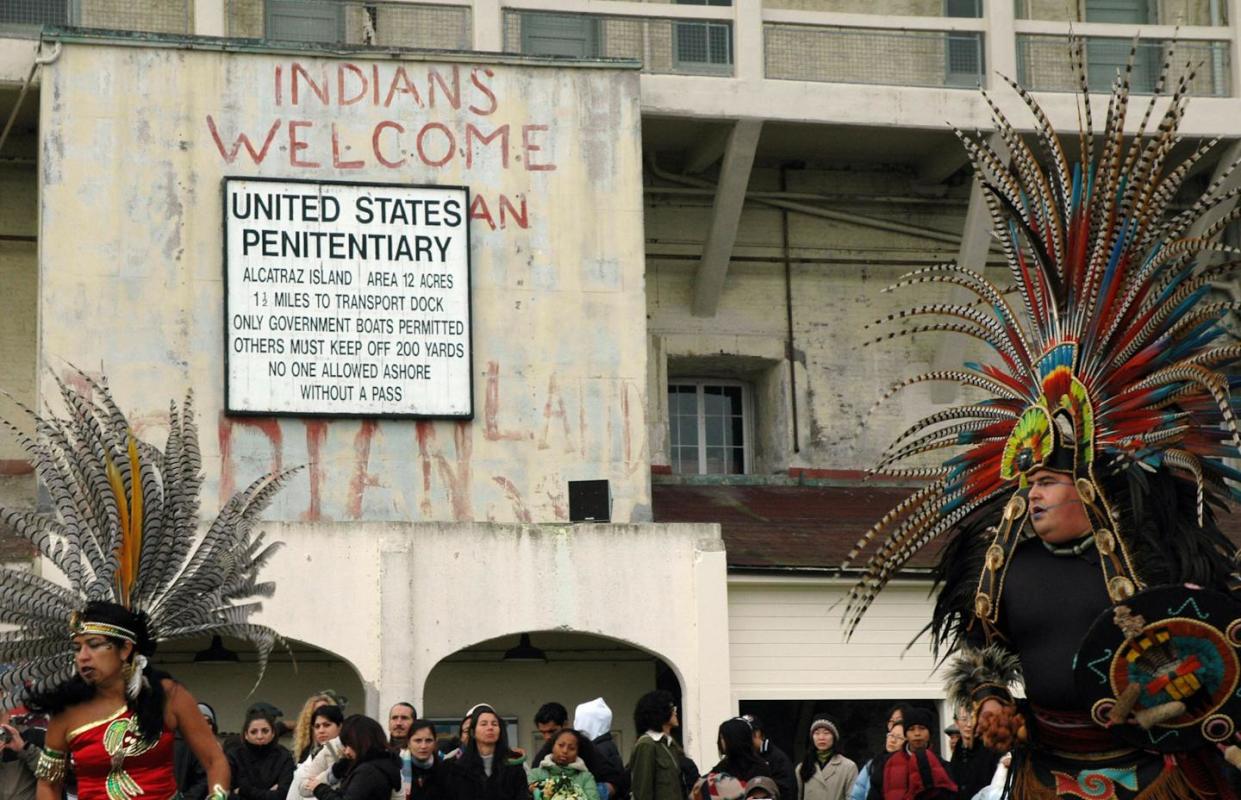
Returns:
<point x="1084" y="558"/>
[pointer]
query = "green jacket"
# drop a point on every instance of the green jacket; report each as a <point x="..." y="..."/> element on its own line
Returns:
<point x="655" y="770"/>
<point x="576" y="771"/>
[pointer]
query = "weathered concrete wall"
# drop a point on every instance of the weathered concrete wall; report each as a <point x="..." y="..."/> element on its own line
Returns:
<point x="838" y="379"/>
<point x="416" y="594"/>
<point x="135" y="142"/>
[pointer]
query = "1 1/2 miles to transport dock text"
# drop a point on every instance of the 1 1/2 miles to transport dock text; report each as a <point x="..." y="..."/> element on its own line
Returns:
<point x="347" y="299"/>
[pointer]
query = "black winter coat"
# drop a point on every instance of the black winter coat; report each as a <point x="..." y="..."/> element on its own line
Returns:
<point x="191" y="777"/>
<point x="374" y="779"/>
<point x="434" y="783"/>
<point x="258" y="768"/>
<point x="781" y="769"/>
<point x="972" y="768"/>
<point x="470" y="782"/>
<point x="611" y="766"/>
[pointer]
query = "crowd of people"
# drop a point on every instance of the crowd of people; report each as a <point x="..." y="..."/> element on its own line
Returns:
<point x="330" y="754"/>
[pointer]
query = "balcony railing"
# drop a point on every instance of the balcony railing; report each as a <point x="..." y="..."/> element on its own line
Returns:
<point x="1158" y="12"/>
<point x="149" y="16"/>
<point x="1044" y="64"/>
<point x="873" y="55"/>
<point x="385" y="24"/>
<point x="666" y="46"/>
<point x="957" y="9"/>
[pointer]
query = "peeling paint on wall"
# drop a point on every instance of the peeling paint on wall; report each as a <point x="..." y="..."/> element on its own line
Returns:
<point x="135" y="143"/>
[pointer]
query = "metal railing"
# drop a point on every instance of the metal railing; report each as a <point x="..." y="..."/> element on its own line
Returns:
<point x="885" y="8"/>
<point x="1153" y="12"/>
<point x="386" y="24"/>
<point x="149" y="16"/>
<point x="873" y="55"/>
<point x="665" y="46"/>
<point x="1044" y="64"/>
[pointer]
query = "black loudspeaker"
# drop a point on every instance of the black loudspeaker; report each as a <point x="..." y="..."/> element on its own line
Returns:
<point x="590" y="501"/>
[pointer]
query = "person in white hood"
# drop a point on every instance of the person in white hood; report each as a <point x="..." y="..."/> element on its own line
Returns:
<point x="594" y="720"/>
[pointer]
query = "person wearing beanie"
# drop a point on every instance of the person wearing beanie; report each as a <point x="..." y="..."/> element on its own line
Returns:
<point x="916" y="773"/>
<point x="824" y="774"/>
<point x="762" y="788"/>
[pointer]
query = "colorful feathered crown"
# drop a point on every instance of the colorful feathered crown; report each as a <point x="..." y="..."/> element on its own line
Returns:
<point x="125" y="532"/>
<point x="1110" y="358"/>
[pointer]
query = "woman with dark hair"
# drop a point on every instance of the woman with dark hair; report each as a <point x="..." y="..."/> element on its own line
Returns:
<point x="305" y="743"/>
<point x="824" y="774"/>
<point x="368" y="770"/>
<point x="325" y="748"/>
<point x="738" y="757"/>
<point x="428" y="770"/>
<point x="488" y="769"/>
<point x="135" y="568"/>
<point x="655" y="763"/>
<point x="117" y="707"/>
<point x="262" y="767"/>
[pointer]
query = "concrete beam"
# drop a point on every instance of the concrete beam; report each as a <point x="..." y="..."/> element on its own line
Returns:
<point x="1230" y="155"/>
<point x="942" y="163"/>
<point x="708" y="150"/>
<point x="975" y="242"/>
<point x="725" y="214"/>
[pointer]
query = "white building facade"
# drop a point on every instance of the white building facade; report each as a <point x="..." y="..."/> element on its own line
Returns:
<point x="680" y="219"/>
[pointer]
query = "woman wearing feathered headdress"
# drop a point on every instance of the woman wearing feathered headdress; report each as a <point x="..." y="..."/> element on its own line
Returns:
<point x="1083" y="553"/>
<point x="124" y="535"/>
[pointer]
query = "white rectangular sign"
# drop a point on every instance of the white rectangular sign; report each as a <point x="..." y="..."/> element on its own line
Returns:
<point x="347" y="299"/>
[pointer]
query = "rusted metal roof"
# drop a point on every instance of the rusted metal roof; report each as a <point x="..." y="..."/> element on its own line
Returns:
<point x="799" y="527"/>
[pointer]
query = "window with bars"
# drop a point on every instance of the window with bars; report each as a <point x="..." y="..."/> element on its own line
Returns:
<point x="709" y="423"/>
<point x="704" y="46"/>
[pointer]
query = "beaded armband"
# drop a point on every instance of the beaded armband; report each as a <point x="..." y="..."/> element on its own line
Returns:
<point x="50" y="766"/>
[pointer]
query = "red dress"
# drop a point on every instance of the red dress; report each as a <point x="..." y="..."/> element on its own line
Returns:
<point x="112" y="763"/>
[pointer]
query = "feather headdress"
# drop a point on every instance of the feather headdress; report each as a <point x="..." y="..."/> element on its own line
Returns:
<point x="1108" y="357"/>
<point x="125" y="531"/>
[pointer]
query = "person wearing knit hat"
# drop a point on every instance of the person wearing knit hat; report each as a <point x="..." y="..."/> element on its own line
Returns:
<point x="762" y="787"/>
<point x="917" y="773"/>
<point x="825" y="774"/>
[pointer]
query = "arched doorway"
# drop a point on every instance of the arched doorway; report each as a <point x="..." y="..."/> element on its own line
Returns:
<point x="292" y="675"/>
<point x="575" y="668"/>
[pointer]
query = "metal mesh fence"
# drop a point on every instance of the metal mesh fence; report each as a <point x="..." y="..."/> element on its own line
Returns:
<point x="1044" y="63"/>
<point x="873" y="55"/>
<point x="667" y="46"/>
<point x="390" y="24"/>
<point x="1150" y="12"/>
<point x="153" y="16"/>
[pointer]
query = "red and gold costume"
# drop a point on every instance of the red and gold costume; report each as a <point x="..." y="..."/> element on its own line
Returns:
<point x="112" y="762"/>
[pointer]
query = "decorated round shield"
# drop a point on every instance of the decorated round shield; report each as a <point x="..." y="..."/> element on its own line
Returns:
<point x="1162" y="669"/>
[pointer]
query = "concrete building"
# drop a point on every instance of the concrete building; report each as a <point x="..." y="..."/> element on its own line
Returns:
<point x="676" y="244"/>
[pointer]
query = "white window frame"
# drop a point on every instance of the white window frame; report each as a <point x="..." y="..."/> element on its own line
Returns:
<point x="747" y="421"/>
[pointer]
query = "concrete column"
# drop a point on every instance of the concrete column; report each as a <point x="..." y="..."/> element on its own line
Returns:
<point x="1000" y="46"/>
<point x="710" y="701"/>
<point x="396" y="644"/>
<point x="725" y="215"/>
<point x="975" y="243"/>
<point x="748" y="53"/>
<point x="488" y="21"/>
<point x="211" y="17"/>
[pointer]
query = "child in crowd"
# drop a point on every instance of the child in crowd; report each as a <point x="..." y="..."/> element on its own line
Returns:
<point x="562" y="775"/>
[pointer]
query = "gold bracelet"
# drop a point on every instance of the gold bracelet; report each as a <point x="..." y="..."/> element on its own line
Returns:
<point x="51" y="766"/>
